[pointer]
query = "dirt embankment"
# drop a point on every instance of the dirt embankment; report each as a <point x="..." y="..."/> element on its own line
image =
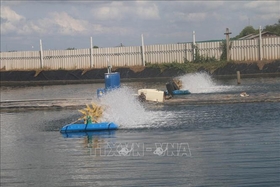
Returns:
<point x="126" y="73"/>
<point x="258" y="67"/>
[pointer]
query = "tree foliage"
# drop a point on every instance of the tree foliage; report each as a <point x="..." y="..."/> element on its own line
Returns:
<point x="247" y="30"/>
<point x="223" y="47"/>
<point x="273" y="28"/>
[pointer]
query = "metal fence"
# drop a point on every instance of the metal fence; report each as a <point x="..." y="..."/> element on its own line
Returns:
<point x="245" y="50"/>
<point x="241" y="50"/>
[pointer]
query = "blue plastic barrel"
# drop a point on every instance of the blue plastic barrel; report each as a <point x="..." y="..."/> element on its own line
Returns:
<point x="112" y="80"/>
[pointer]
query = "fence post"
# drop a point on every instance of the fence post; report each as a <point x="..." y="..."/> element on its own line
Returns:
<point x="227" y="33"/>
<point x="260" y="44"/>
<point x="41" y="55"/>
<point x="91" y="61"/>
<point x="238" y="77"/>
<point x="194" y="47"/>
<point x="143" y="52"/>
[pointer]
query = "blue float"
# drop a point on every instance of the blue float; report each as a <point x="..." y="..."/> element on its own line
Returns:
<point x="89" y="127"/>
<point x="181" y="92"/>
<point x="173" y="89"/>
<point x="102" y="134"/>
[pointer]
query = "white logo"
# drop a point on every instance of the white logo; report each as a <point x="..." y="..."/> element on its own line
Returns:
<point x="139" y="149"/>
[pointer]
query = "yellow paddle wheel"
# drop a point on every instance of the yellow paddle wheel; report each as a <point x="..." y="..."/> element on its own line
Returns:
<point x="92" y="113"/>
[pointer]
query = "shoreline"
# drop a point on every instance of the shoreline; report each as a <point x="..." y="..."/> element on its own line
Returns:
<point x="91" y="81"/>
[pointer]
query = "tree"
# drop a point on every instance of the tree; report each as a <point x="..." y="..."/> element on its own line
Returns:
<point x="273" y="28"/>
<point x="247" y="30"/>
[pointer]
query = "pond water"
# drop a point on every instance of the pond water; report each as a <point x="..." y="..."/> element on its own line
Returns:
<point x="156" y="145"/>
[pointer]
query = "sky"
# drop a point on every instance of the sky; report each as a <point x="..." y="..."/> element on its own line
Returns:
<point x="63" y="24"/>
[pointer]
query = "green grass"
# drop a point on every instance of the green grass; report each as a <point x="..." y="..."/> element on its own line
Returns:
<point x="189" y="67"/>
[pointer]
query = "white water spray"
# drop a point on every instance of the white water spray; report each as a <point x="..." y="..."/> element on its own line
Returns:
<point x="201" y="83"/>
<point x="123" y="108"/>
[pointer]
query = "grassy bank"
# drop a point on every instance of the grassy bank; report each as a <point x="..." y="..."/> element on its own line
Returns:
<point x="190" y="67"/>
<point x="209" y="66"/>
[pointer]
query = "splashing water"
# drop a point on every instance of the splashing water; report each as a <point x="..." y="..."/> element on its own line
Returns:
<point x="123" y="108"/>
<point x="201" y="83"/>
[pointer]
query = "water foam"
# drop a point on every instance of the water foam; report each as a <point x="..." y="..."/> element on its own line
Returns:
<point x="123" y="108"/>
<point x="202" y="83"/>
